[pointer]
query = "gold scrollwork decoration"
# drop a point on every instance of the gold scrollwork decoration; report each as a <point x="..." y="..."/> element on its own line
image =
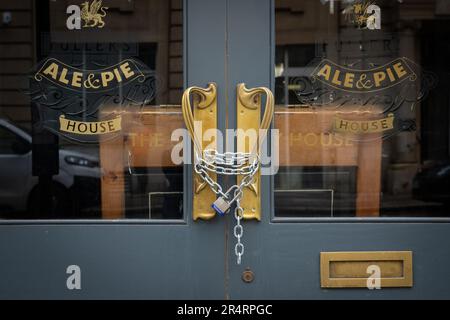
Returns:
<point x="200" y="117"/>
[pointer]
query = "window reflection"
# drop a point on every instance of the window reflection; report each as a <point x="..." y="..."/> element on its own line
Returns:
<point x="74" y="103"/>
<point x="381" y="146"/>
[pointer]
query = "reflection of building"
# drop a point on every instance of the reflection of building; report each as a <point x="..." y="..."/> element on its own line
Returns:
<point x="306" y="30"/>
<point x="150" y="32"/>
<point x="22" y="45"/>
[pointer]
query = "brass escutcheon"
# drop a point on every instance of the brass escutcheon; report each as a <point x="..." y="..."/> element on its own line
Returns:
<point x="248" y="276"/>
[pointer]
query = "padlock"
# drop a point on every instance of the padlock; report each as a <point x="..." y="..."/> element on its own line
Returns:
<point x="221" y="206"/>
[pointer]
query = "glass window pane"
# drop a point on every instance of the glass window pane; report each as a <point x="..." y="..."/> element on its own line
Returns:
<point x="89" y="98"/>
<point x="362" y="107"/>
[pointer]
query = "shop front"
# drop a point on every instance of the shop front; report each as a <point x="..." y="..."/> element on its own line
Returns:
<point x="224" y="149"/>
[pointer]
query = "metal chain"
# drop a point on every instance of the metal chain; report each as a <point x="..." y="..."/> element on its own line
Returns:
<point x="238" y="231"/>
<point x="229" y="163"/>
<point x="215" y="165"/>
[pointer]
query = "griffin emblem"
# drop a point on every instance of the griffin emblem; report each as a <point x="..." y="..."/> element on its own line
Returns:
<point x="91" y="16"/>
<point x="357" y="14"/>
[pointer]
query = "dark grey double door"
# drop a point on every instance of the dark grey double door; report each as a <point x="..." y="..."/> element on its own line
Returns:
<point x="226" y="42"/>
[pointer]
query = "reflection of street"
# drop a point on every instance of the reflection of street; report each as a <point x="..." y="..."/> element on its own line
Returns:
<point x="73" y="192"/>
<point x="154" y="193"/>
<point x="323" y="203"/>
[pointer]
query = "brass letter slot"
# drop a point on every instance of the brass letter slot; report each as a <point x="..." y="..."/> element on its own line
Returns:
<point x="350" y="269"/>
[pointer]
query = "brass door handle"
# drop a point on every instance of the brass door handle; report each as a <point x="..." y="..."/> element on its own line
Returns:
<point x="202" y="114"/>
<point x="248" y="117"/>
<point x="204" y="110"/>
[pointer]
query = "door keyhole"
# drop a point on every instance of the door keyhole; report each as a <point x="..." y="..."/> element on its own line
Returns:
<point x="248" y="276"/>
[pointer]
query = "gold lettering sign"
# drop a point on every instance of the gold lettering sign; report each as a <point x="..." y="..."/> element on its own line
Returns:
<point x="99" y="80"/>
<point x="311" y="139"/>
<point x="84" y="103"/>
<point x="360" y="81"/>
<point x="88" y="128"/>
<point x="367" y="126"/>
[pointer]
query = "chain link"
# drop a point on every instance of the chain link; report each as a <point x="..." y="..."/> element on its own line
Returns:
<point x="238" y="230"/>
<point x="241" y="164"/>
<point x="229" y="163"/>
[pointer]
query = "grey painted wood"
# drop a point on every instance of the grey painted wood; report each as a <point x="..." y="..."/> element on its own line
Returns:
<point x="285" y="259"/>
<point x="116" y="261"/>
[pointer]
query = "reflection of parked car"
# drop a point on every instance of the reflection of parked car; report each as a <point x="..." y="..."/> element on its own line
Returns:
<point x="432" y="183"/>
<point x="78" y="171"/>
